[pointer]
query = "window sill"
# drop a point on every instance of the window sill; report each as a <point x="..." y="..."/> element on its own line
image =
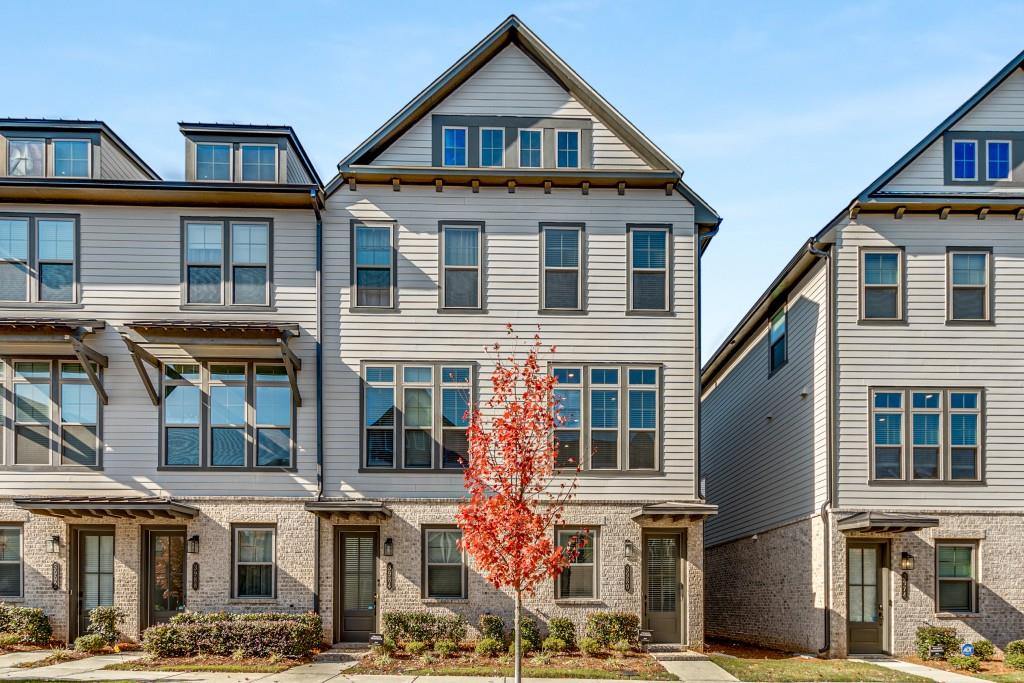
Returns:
<point x="262" y="308"/>
<point x="580" y="602"/>
<point x="373" y="309"/>
<point x="927" y="482"/>
<point x="225" y="470"/>
<point x="46" y="305"/>
<point x="968" y="323"/>
<point x="958" y="615"/>
<point x="252" y="601"/>
<point x="653" y="314"/>
<point x="462" y="311"/>
<point x="444" y="601"/>
<point x="409" y="470"/>
<point x="561" y="311"/>
<point x="51" y="468"/>
<point x="882" y="321"/>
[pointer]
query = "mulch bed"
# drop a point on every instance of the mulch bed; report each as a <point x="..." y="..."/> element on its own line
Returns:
<point x="993" y="667"/>
<point x="745" y="651"/>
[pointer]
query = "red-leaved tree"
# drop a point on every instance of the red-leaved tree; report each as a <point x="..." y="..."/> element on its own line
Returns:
<point x="513" y="503"/>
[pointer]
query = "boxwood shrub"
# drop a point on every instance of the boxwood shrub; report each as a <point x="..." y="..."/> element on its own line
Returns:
<point x="944" y="636"/>
<point x="253" y="635"/>
<point x="608" y="628"/>
<point x="424" y="627"/>
<point x="30" y="624"/>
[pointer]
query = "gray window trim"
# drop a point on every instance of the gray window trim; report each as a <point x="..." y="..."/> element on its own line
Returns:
<point x="623" y="387"/>
<point x="398" y="429"/>
<point x="783" y="310"/>
<point x="20" y="528"/>
<point x="204" y="426"/>
<point x="256" y="526"/>
<point x="989" y="296"/>
<point x="48" y="138"/>
<point x="945" y="442"/>
<point x="512" y="126"/>
<point x="974" y="580"/>
<point x="596" y="545"/>
<point x="981" y="140"/>
<point x="581" y="278"/>
<point x="669" y="309"/>
<point x="34" y="283"/>
<point x="425" y="531"/>
<point x="901" y="288"/>
<point x="353" y="294"/>
<point x="481" y="267"/>
<point x="227" y="264"/>
<point x="7" y="381"/>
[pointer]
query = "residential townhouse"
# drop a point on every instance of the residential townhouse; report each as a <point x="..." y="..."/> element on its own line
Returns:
<point x="860" y="426"/>
<point x="280" y="371"/>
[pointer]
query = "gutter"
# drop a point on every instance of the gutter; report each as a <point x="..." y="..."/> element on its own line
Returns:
<point x="314" y="196"/>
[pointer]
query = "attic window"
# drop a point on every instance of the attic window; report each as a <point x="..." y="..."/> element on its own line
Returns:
<point x="568" y="152"/>
<point x="259" y="163"/>
<point x="71" y="158"/>
<point x="454" y="146"/>
<point x="965" y="160"/>
<point x="26" y="158"/>
<point x="213" y="161"/>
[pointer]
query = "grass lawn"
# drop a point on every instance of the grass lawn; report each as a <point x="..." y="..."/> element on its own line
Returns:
<point x="214" y="664"/>
<point x="749" y="663"/>
<point x="994" y="670"/>
<point x="1015" y="677"/>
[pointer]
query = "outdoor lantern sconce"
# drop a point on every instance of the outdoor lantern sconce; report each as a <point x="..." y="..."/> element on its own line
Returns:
<point x="193" y="544"/>
<point x="53" y="544"/>
<point x="630" y="550"/>
<point x="906" y="562"/>
<point x="389" y="547"/>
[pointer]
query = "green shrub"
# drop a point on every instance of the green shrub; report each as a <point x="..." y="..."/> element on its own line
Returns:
<point x="622" y="646"/>
<point x="9" y="639"/>
<point x="450" y="627"/>
<point x="446" y="648"/>
<point x="529" y="635"/>
<point x="927" y="636"/>
<point x="104" y="622"/>
<point x="1015" y="660"/>
<point x="291" y="636"/>
<point x="1015" y="647"/>
<point x="553" y="644"/>
<point x="90" y="642"/>
<point x="388" y="647"/>
<point x="962" y="663"/>
<point x="589" y="646"/>
<point x="424" y="627"/>
<point x="489" y="647"/>
<point x="608" y="628"/>
<point x="563" y="629"/>
<point x="984" y="650"/>
<point x="416" y="647"/>
<point x="30" y="623"/>
<point x="491" y="626"/>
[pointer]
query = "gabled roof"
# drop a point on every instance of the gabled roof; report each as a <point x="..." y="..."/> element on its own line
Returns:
<point x="511" y="31"/>
<point x="80" y="124"/>
<point x="255" y="130"/>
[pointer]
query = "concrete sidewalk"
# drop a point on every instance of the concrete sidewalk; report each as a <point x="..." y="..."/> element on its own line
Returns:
<point x="916" y="669"/>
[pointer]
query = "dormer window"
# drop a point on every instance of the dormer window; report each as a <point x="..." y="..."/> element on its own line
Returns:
<point x="454" y="146"/>
<point x="213" y="161"/>
<point x="965" y="160"/>
<point x="999" y="166"/>
<point x="26" y="158"/>
<point x="568" y="150"/>
<point x="71" y="158"/>
<point x="530" y="145"/>
<point x="492" y="147"/>
<point x="259" y="163"/>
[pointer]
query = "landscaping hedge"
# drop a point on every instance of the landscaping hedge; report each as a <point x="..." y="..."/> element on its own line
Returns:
<point x="608" y="628"/>
<point x="30" y="624"/>
<point x="424" y="627"/>
<point x="192" y="634"/>
<point x="943" y="636"/>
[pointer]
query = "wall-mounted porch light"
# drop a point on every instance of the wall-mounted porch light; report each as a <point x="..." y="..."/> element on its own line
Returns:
<point x="53" y="544"/>
<point x="193" y="544"/>
<point x="389" y="547"/>
<point x="906" y="561"/>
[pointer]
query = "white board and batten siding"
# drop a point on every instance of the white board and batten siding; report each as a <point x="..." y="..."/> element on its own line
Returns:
<point x="511" y="260"/>
<point x="928" y="352"/>
<point x="130" y="270"/>
<point x="764" y="444"/>
<point x="510" y="84"/>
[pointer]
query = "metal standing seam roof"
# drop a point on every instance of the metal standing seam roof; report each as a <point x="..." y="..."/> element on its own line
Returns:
<point x="106" y="506"/>
<point x="256" y="129"/>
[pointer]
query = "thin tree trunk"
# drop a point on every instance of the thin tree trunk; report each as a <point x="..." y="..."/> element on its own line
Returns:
<point x="518" y="637"/>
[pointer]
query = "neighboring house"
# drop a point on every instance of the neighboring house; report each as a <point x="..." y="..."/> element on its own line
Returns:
<point x="509" y="191"/>
<point x="860" y="426"/>
<point x="157" y="351"/>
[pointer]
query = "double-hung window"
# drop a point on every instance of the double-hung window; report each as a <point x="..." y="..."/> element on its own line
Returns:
<point x="444" y="565"/>
<point x="213" y="161"/>
<point x="461" y="253"/>
<point x="648" y="268"/>
<point x="1000" y="160"/>
<point x="956" y="577"/>
<point x="777" y="339"/>
<point x="416" y="415"/>
<point x="255" y="562"/>
<point x="45" y="273"/>
<point x="965" y="159"/>
<point x="10" y="562"/>
<point x="259" y="163"/>
<point x="567" y="148"/>
<point x="600" y="432"/>
<point x="56" y="414"/>
<point x="71" y="158"/>
<point x="26" y="158"/>
<point x="373" y="270"/>
<point x="531" y="143"/>
<point x="230" y="415"/>
<point x="454" y="145"/>
<point x="580" y="579"/>
<point x="235" y="271"/>
<point x="881" y="284"/>
<point x="943" y="434"/>
<point x="968" y="292"/>
<point x="561" y="286"/>
<point x="492" y="147"/>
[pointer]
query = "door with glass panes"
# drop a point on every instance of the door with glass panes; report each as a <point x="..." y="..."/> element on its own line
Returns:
<point x="94" y="575"/>
<point x="866" y="600"/>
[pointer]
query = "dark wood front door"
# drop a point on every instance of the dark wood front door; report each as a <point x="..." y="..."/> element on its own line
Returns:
<point x="865" y="598"/>
<point x="94" y="576"/>
<point x="356" y="572"/>
<point x="662" y="587"/>
<point x="165" y="575"/>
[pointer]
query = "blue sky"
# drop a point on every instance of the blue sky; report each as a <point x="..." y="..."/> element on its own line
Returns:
<point x="779" y="112"/>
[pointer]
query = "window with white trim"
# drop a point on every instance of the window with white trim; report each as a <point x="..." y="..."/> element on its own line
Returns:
<point x="259" y="163"/>
<point x="492" y="147"/>
<point x="999" y="154"/>
<point x="462" y="252"/>
<point x="580" y="579"/>
<point x="49" y="271"/>
<point x="68" y="157"/>
<point x="454" y="147"/>
<point x="648" y="268"/>
<point x="561" y="264"/>
<point x="254" y="562"/>
<point x="26" y="158"/>
<point x="71" y="158"/>
<point x="416" y="415"/>
<point x="444" y="564"/>
<point x="965" y="159"/>
<point x="10" y="562"/>
<point x="238" y="275"/>
<point x="881" y="284"/>
<point x="567" y="148"/>
<point x="213" y="161"/>
<point x="373" y="267"/>
<point x="956" y="577"/>
<point x="969" y="293"/>
<point x="531" y="145"/>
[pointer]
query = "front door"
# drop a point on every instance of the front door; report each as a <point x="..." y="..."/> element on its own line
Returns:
<point x="662" y="589"/>
<point x="165" y="570"/>
<point x="357" y="577"/>
<point x="95" y="577"/>
<point x="866" y="598"/>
